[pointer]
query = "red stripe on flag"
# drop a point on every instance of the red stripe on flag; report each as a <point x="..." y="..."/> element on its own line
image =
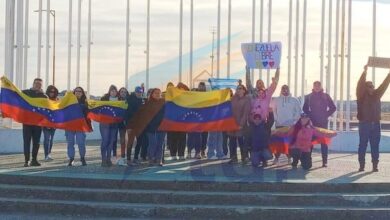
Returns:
<point x="105" y="119"/>
<point x="228" y="124"/>
<point x="33" y="118"/>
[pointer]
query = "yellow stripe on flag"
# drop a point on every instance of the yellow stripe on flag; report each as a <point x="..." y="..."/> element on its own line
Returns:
<point x="190" y="99"/>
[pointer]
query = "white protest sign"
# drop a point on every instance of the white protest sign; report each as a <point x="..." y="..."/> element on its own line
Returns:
<point x="379" y="62"/>
<point x="262" y="55"/>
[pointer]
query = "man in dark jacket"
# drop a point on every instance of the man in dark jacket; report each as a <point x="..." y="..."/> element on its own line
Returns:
<point x="32" y="131"/>
<point x="135" y="101"/>
<point x="369" y="116"/>
<point x="319" y="106"/>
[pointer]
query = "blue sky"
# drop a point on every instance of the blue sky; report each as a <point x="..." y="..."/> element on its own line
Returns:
<point x="108" y="51"/>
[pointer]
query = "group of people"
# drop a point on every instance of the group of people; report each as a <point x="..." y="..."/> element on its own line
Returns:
<point x="254" y="110"/>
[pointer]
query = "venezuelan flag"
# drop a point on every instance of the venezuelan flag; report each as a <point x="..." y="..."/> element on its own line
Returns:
<point x="64" y="114"/>
<point x="198" y="111"/>
<point x="107" y="112"/>
<point x="281" y="144"/>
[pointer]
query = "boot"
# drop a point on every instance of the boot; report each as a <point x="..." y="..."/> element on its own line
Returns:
<point x="375" y="166"/>
<point x="83" y="162"/>
<point x="361" y="169"/>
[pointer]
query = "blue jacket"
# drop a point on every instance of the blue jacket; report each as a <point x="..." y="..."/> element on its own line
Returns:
<point x="319" y="106"/>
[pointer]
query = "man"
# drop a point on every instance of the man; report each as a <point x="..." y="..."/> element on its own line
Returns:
<point x="32" y="132"/>
<point x="319" y="106"/>
<point x="135" y="101"/>
<point x="369" y="116"/>
<point x="287" y="111"/>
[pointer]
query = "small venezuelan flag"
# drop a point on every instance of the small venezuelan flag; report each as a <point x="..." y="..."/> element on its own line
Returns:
<point x="198" y="111"/>
<point x="107" y="112"/>
<point x="64" y="114"/>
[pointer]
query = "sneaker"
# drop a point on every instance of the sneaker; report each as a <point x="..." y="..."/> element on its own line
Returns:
<point x="213" y="158"/>
<point x="198" y="157"/>
<point x="121" y="162"/>
<point x="361" y="169"/>
<point x="49" y="157"/>
<point x="375" y="170"/>
<point x="174" y="158"/>
<point x="70" y="162"/>
<point x="83" y="162"/>
<point x="26" y="164"/>
<point x="35" y="163"/>
<point x="324" y="165"/>
<point x="181" y="158"/>
<point x="276" y="161"/>
<point x="203" y="154"/>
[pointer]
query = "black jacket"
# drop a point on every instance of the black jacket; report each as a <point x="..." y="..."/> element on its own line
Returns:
<point x="369" y="106"/>
<point x="34" y="94"/>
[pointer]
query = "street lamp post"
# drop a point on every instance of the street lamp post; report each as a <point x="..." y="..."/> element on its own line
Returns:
<point x="53" y="13"/>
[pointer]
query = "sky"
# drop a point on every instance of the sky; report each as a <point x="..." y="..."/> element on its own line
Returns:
<point x="108" y="36"/>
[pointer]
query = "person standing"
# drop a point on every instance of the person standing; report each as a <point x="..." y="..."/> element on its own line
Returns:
<point x="287" y="110"/>
<point x="319" y="106"/>
<point x="123" y="96"/>
<point x="78" y="137"/>
<point x="369" y="116"/>
<point x="155" y="137"/>
<point x="202" y="88"/>
<point x="109" y="132"/>
<point x="135" y="101"/>
<point x="241" y="106"/>
<point x="32" y="132"/>
<point x="48" y="133"/>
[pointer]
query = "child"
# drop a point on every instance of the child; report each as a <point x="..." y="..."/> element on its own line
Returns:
<point x="260" y="130"/>
<point x="302" y="134"/>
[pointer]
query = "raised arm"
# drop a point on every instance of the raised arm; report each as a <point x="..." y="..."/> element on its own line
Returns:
<point x="274" y="83"/>
<point x="382" y="88"/>
<point x="249" y="85"/>
<point x="361" y="87"/>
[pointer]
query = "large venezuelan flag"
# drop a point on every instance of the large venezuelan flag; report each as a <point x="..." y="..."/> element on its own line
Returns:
<point x="65" y="114"/>
<point x="198" y="111"/>
<point x="107" y="112"/>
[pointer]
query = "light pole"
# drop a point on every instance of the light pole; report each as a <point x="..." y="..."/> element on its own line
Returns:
<point x="213" y="32"/>
<point x="53" y="13"/>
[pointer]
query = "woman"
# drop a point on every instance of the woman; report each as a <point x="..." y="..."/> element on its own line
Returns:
<point x="302" y="134"/>
<point x="177" y="140"/>
<point x="123" y="96"/>
<point x="73" y="137"/>
<point x="48" y="133"/>
<point x="241" y="106"/>
<point x="155" y="137"/>
<point x="109" y="132"/>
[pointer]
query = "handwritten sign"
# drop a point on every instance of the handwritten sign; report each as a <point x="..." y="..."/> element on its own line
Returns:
<point x="262" y="55"/>
<point x="379" y="62"/>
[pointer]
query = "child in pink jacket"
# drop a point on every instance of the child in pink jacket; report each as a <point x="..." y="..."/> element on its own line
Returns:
<point x="301" y="143"/>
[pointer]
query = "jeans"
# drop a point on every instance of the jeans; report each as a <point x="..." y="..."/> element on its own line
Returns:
<point x="109" y="133"/>
<point x="215" y="145"/>
<point x="369" y="132"/>
<point x="233" y="142"/>
<point x="177" y="143"/>
<point x="142" y="146"/>
<point x="80" y="140"/>
<point x="225" y="143"/>
<point x="324" y="147"/>
<point x="304" y="157"/>
<point x="48" y="136"/>
<point x="31" y="132"/>
<point x="155" y="148"/>
<point x="205" y="136"/>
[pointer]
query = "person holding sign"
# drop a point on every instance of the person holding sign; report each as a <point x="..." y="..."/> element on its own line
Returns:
<point x="369" y="115"/>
